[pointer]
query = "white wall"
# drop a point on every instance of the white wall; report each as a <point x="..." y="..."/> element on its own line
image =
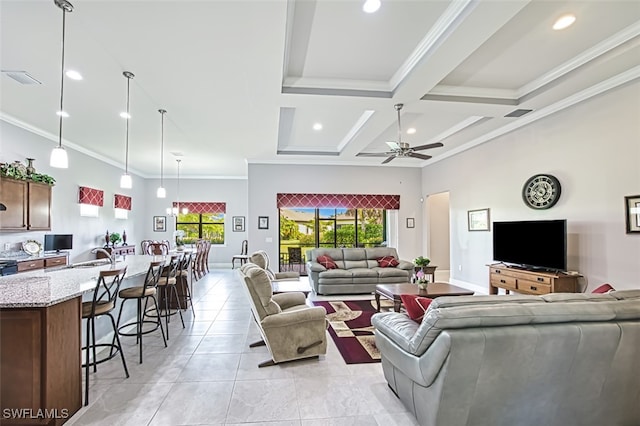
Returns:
<point x="88" y="233"/>
<point x="231" y="191"/>
<point x="437" y="216"/>
<point x="267" y="180"/>
<point x="593" y="149"/>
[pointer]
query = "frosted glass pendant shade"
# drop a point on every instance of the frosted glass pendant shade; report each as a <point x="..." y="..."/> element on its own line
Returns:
<point x="125" y="181"/>
<point x="161" y="192"/>
<point x="59" y="158"/>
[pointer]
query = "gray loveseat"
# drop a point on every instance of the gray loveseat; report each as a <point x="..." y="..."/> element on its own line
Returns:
<point x="556" y="360"/>
<point x="358" y="271"/>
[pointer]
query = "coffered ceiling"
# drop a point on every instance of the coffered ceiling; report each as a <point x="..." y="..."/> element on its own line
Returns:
<point x="245" y="81"/>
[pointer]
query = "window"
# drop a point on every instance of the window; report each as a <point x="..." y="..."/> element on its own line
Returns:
<point x="330" y="227"/>
<point x="207" y="226"/>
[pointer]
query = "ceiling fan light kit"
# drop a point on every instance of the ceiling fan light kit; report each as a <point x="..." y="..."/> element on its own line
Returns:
<point x="59" y="158"/>
<point x="399" y="148"/>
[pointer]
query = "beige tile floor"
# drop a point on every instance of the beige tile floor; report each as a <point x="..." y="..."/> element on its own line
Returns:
<point x="208" y="375"/>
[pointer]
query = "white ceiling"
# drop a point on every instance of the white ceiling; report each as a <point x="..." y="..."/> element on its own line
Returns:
<point x="244" y="81"/>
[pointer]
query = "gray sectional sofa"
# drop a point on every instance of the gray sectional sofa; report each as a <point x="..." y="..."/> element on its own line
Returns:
<point x="358" y="270"/>
<point x="554" y="360"/>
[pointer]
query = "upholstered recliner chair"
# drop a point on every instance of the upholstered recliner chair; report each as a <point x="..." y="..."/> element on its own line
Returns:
<point x="290" y="329"/>
<point x="261" y="259"/>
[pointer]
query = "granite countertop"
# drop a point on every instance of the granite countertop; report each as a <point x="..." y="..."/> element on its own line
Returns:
<point x="41" y="288"/>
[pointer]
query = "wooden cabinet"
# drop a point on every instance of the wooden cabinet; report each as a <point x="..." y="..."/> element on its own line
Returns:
<point x="31" y="263"/>
<point x="530" y="282"/>
<point x="40" y="362"/>
<point x="28" y="205"/>
<point x="52" y="262"/>
<point x="118" y="251"/>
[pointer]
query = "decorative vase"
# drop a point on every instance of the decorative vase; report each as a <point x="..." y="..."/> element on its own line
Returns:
<point x="423" y="285"/>
<point x="180" y="248"/>
<point x="30" y="169"/>
<point x="106" y="239"/>
<point x="124" y="238"/>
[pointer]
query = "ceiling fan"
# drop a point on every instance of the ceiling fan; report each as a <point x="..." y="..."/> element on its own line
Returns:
<point x="399" y="148"/>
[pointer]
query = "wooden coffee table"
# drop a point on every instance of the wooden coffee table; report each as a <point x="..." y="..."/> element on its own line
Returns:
<point x="393" y="292"/>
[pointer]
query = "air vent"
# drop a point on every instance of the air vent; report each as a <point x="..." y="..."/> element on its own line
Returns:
<point x="21" y="77"/>
<point x="177" y="154"/>
<point x="518" y="112"/>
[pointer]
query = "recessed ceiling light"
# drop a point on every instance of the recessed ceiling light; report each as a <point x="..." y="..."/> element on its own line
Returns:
<point x="564" y="21"/>
<point x="411" y="130"/>
<point x="317" y="126"/>
<point x="371" y="6"/>
<point x="73" y="75"/>
<point x="125" y="115"/>
<point x="62" y="114"/>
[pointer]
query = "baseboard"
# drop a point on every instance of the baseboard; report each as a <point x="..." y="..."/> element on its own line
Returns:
<point x="469" y="286"/>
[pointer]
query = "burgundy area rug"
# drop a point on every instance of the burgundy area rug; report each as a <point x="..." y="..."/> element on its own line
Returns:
<point x="350" y="328"/>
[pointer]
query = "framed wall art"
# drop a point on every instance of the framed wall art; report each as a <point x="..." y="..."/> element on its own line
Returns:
<point x="478" y="220"/>
<point x="238" y="223"/>
<point x="632" y="213"/>
<point x="263" y="222"/>
<point x="159" y="223"/>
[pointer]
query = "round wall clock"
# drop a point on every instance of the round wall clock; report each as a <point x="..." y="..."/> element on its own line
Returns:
<point x="541" y="191"/>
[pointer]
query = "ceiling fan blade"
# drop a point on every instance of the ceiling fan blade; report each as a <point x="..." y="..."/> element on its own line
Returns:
<point x="373" y="154"/>
<point x="388" y="159"/>
<point x="427" y="146"/>
<point x="417" y="155"/>
<point x="395" y="146"/>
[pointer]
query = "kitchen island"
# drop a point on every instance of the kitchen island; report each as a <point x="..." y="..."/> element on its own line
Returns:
<point x="40" y="339"/>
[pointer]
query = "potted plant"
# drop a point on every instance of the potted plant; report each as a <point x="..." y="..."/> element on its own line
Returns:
<point x="422" y="280"/>
<point x="421" y="262"/>
<point x="114" y="238"/>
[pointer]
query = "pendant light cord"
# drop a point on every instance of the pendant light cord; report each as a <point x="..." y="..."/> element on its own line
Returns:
<point x="398" y="108"/>
<point x="162" y="112"/>
<point x="178" y="196"/>
<point x="126" y="146"/>
<point x="64" y="15"/>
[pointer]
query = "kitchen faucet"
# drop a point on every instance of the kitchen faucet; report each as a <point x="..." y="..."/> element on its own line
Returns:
<point x="111" y="257"/>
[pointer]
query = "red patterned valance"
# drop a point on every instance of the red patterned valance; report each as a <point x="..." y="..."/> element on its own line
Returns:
<point x="202" y="207"/>
<point x="122" y="202"/>
<point x="94" y="197"/>
<point x="351" y="201"/>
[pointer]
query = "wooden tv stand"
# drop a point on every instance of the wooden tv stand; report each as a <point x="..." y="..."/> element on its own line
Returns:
<point x="530" y="282"/>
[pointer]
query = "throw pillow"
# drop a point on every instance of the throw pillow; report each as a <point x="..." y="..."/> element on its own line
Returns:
<point x="387" y="262"/>
<point x="415" y="305"/>
<point x="327" y="262"/>
<point x="604" y="288"/>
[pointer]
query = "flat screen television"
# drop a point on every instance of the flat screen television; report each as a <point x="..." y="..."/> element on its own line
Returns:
<point x="57" y="242"/>
<point x="532" y="244"/>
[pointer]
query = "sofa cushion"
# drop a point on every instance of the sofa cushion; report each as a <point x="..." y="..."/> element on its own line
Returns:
<point x="391" y="272"/>
<point x="337" y="276"/>
<point x="415" y="305"/>
<point x="387" y="262"/>
<point x="604" y="288"/>
<point x="352" y="264"/>
<point x="327" y="262"/>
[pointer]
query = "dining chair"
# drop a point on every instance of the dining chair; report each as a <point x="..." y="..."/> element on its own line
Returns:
<point x="243" y="257"/>
<point x="103" y="302"/>
<point x="157" y="248"/>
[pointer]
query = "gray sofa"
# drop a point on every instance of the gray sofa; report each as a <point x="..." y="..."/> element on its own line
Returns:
<point x="358" y="270"/>
<point x="555" y="360"/>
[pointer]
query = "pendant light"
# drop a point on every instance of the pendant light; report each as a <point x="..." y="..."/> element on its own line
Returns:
<point x="173" y="211"/>
<point x="125" y="179"/>
<point x="162" y="193"/>
<point x="59" y="158"/>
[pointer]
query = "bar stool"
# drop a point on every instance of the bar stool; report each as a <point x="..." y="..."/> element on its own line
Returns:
<point x="183" y="277"/>
<point x="102" y="303"/>
<point x="167" y="285"/>
<point x="146" y="291"/>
